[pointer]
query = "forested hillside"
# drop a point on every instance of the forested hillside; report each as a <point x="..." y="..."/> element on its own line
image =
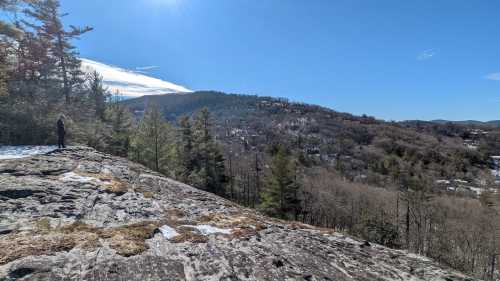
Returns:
<point x="362" y="148"/>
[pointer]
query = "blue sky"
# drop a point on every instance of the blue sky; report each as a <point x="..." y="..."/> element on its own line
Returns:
<point x="391" y="59"/>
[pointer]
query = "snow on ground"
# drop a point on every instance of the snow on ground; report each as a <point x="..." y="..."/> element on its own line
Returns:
<point x="495" y="173"/>
<point x="208" y="229"/>
<point x="73" y="177"/>
<point x="129" y="83"/>
<point x="476" y="190"/>
<point x="21" y="151"/>
<point x="168" y="232"/>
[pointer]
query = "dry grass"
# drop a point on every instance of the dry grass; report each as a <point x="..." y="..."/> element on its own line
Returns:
<point x="45" y="240"/>
<point x="175" y="213"/>
<point x="187" y="234"/>
<point x="148" y="194"/>
<point x="130" y="240"/>
<point x="243" y="220"/>
<point x="243" y="233"/>
<point x="127" y="240"/>
<point x="298" y="225"/>
<point x="175" y="218"/>
<point x="112" y="184"/>
<point x="43" y="225"/>
<point x="116" y="187"/>
<point x="19" y="246"/>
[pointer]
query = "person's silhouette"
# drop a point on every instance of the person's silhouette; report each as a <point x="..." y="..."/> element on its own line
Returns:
<point x="61" y="132"/>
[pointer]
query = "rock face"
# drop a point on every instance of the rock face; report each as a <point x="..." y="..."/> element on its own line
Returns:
<point x="77" y="214"/>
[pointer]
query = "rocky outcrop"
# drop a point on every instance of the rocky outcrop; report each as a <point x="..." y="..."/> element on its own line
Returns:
<point x="77" y="214"/>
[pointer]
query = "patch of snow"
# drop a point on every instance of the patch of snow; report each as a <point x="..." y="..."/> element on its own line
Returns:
<point x="73" y="177"/>
<point x="121" y="215"/>
<point x="472" y="147"/>
<point x="130" y="83"/>
<point x="476" y="190"/>
<point x="21" y="151"/>
<point x="495" y="173"/>
<point x="443" y="182"/>
<point x="339" y="268"/>
<point x="350" y="240"/>
<point x="168" y="232"/>
<point x="418" y="257"/>
<point x="208" y="229"/>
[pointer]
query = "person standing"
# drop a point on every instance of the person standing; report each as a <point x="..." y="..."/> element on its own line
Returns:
<point x="61" y="132"/>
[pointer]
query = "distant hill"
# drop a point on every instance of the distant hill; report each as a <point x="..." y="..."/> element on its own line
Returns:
<point x="468" y="122"/>
<point x="361" y="147"/>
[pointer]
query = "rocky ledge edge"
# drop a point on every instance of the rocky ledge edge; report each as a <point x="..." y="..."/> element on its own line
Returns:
<point x="77" y="214"/>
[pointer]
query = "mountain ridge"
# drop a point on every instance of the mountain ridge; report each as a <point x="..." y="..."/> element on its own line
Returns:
<point x="465" y="122"/>
<point x="262" y="121"/>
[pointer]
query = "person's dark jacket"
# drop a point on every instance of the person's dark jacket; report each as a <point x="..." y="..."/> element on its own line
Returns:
<point x="60" y="127"/>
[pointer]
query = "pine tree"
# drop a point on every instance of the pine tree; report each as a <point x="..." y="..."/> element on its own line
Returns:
<point x="58" y="40"/>
<point x="3" y="77"/>
<point x="209" y="170"/>
<point x="9" y="37"/>
<point x="185" y="158"/>
<point x="153" y="138"/>
<point x="120" y="120"/>
<point x="97" y="94"/>
<point x="280" y="195"/>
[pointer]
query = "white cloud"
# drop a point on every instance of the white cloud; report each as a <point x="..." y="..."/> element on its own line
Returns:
<point x="427" y="54"/>
<point x="493" y="76"/>
<point x="146" y="68"/>
<point x="131" y="83"/>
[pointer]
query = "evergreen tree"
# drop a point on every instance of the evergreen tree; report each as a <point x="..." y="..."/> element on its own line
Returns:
<point x="280" y="195"/>
<point x="185" y="159"/>
<point x="209" y="170"/>
<point x="50" y="30"/>
<point x="120" y="120"/>
<point x="153" y="138"/>
<point x="97" y="94"/>
<point x="8" y="29"/>
<point x="3" y="78"/>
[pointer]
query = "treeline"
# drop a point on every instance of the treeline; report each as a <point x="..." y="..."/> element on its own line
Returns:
<point x="186" y="151"/>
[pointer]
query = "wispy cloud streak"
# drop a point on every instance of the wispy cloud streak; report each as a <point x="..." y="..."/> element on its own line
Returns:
<point x="146" y="68"/>
<point x="427" y="54"/>
<point x="493" y="76"/>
